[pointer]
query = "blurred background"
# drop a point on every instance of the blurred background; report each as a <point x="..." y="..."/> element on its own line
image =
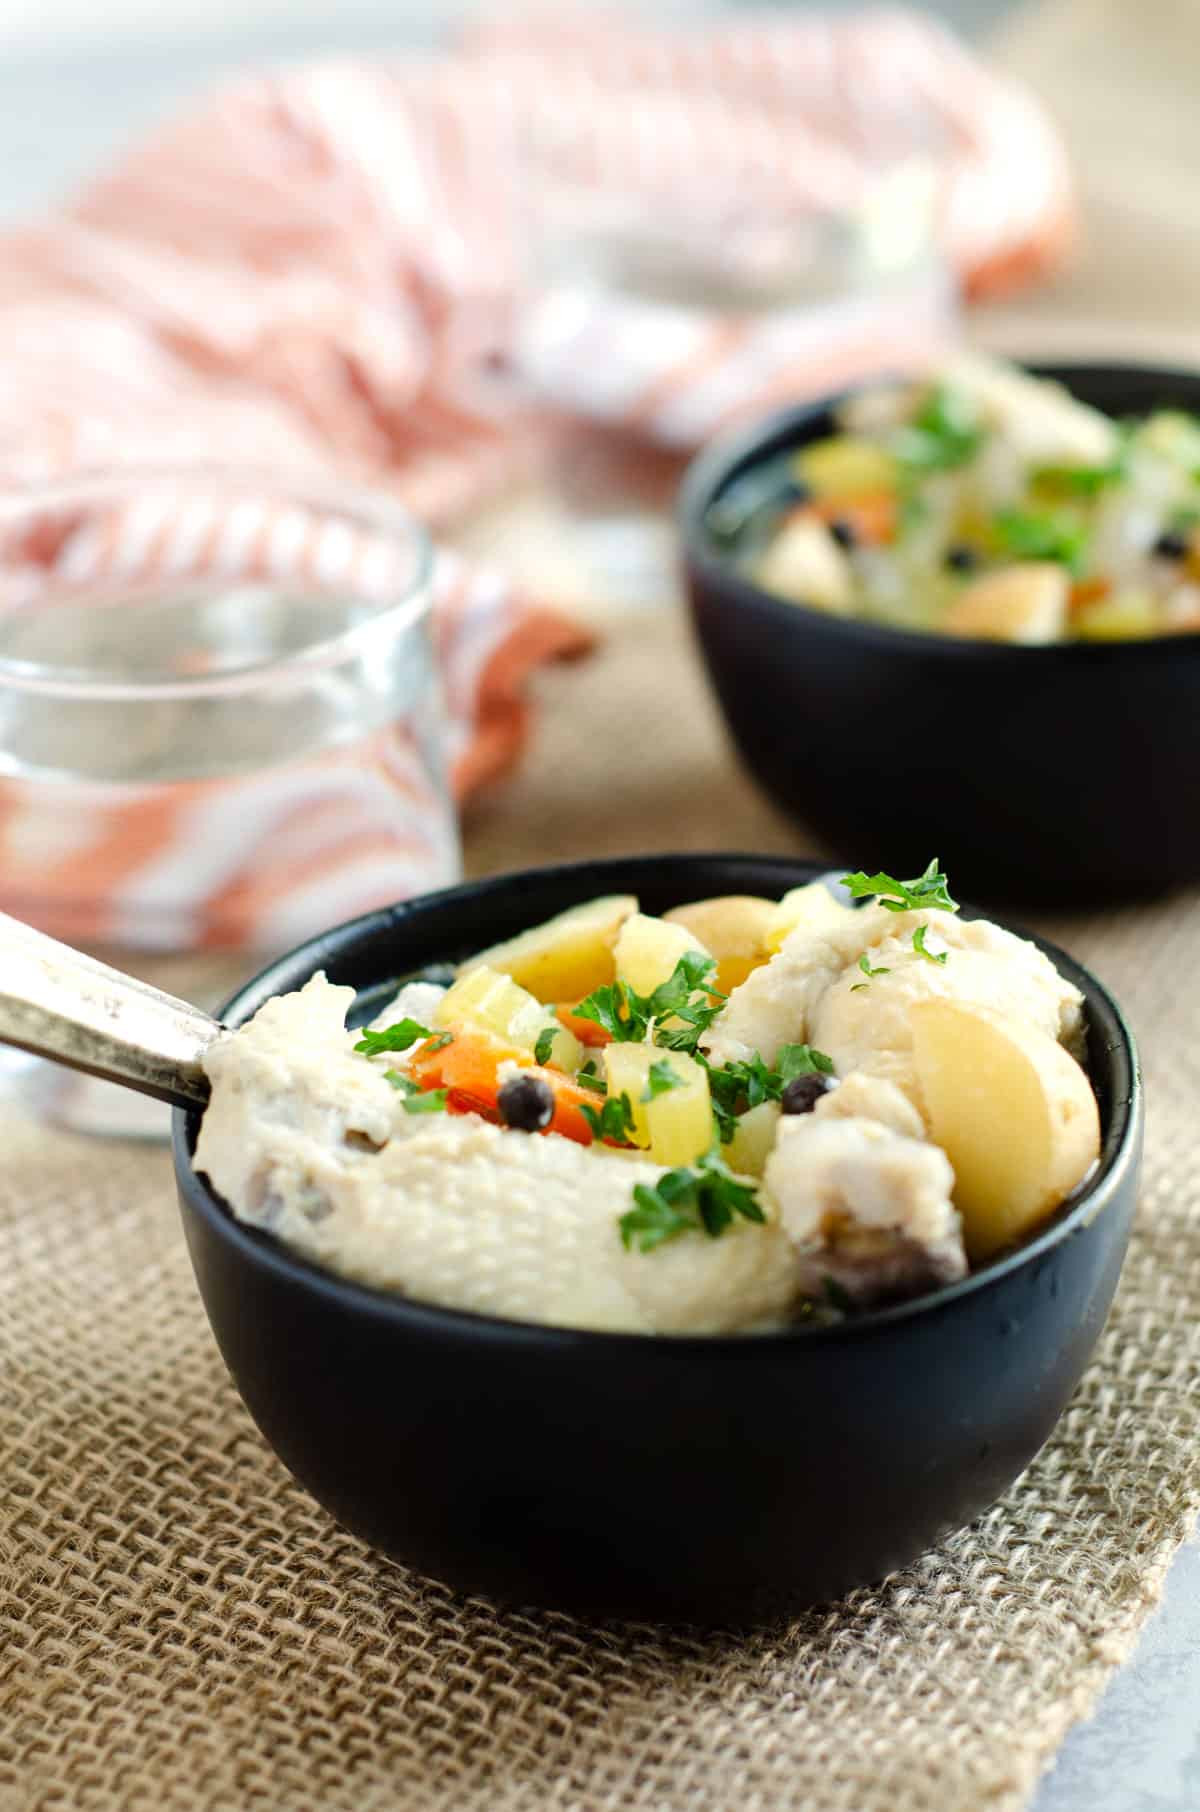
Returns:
<point x="76" y="79"/>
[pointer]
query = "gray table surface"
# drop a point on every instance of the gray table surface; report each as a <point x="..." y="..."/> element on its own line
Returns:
<point x="65" y="106"/>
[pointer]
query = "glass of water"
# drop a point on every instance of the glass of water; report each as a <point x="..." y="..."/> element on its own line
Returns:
<point x="220" y="727"/>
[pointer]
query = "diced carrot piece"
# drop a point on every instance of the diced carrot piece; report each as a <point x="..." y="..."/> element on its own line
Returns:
<point x="1088" y="591"/>
<point x="873" y="516"/>
<point x="468" y="1068"/>
<point x="586" y="1030"/>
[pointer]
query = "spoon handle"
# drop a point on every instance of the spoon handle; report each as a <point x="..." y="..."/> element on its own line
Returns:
<point x="59" y="1003"/>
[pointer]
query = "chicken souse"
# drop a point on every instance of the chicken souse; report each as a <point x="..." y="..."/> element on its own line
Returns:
<point x="739" y="1115"/>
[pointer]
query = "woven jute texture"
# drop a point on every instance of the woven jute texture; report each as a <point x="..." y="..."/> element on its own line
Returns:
<point x="181" y="1627"/>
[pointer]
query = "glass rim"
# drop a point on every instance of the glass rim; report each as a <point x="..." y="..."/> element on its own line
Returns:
<point x="399" y="616"/>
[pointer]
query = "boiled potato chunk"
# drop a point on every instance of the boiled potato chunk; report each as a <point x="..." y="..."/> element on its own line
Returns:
<point x="1012" y="1110"/>
<point x="675" y="1124"/>
<point x="733" y="928"/>
<point x="754" y="1139"/>
<point x="1125" y="616"/>
<point x="1023" y="603"/>
<point x="567" y="957"/>
<point x="487" y="1001"/>
<point x="811" y="906"/>
<point x="845" y="465"/>
<point x="647" y="951"/>
<point x="805" y="565"/>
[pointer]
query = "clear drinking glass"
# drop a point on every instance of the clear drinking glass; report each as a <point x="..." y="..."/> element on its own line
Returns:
<point x="220" y="727"/>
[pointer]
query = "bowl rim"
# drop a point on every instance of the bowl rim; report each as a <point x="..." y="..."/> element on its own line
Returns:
<point x="714" y="466"/>
<point x="1120" y="1150"/>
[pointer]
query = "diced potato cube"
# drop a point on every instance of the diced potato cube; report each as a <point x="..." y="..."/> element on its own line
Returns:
<point x="674" y="1125"/>
<point x="733" y="928"/>
<point x="1172" y="435"/>
<point x="845" y="465"/>
<point x="811" y="906"/>
<point x="805" y="565"/>
<point x="568" y="956"/>
<point x="1122" y="617"/>
<point x="648" y="949"/>
<point x="1024" y="603"/>
<point x="1012" y="1110"/>
<point x="494" y="1003"/>
<point x="754" y="1139"/>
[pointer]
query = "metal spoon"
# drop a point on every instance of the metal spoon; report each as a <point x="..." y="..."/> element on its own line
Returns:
<point x="56" y="1002"/>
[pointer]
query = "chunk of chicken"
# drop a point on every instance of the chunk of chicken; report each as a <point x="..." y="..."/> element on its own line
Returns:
<point x="1024" y="603"/>
<point x="814" y="992"/>
<point x="868" y="1210"/>
<point x="1044" y="423"/>
<point x="861" y="1096"/>
<point x="805" y="565"/>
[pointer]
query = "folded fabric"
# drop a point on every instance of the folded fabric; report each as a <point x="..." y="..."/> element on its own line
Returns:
<point x="320" y="273"/>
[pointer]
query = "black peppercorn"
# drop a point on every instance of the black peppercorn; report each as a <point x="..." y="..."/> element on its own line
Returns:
<point x="802" y="1093"/>
<point x="526" y="1103"/>
<point x="1171" y="545"/>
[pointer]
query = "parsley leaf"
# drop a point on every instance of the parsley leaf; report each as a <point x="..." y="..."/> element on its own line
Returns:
<point x="931" y="956"/>
<point x="1081" y="481"/>
<point x="661" y="1080"/>
<point x="606" y="1007"/>
<point x="430" y="1101"/>
<point x="737" y="1087"/>
<point x="864" y="963"/>
<point x="1042" y="537"/>
<point x="929" y="889"/>
<point x="627" y="1016"/>
<point x="654" y="1218"/>
<point x="405" y="1032"/>
<point x="589" y="1077"/>
<point x="545" y="1044"/>
<point x="708" y="1196"/>
<point x="416" y="1100"/>
<point x="944" y="433"/>
<point x="801" y="1060"/>
<point x="914" y="509"/>
<point x="614" y="1120"/>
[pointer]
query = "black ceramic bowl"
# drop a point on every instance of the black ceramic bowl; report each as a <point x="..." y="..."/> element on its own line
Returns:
<point x="726" y="1480"/>
<point x="1058" y="775"/>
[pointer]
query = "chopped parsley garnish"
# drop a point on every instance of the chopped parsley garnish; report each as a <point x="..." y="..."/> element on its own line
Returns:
<point x="1042" y="537"/>
<point x="864" y="963"/>
<point x="802" y="1060"/>
<point x="930" y="889"/>
<point x="737" y="1087"/>
<point x="589" y="1077"/>
<point x="545" y="1045"/>
<point x="944" y="433"/>
<point x="1081" y="481"/>
<point x="612" y="1121"/>
<point x="913" y="509"/>
<point x="428" y="1101"/>
<point x="931" y="956"/>
<point x="399" y="1037"/>
<point x="628" y="1017"/>
<point x="705" y="1197"/>
<point x="661" y="1080"/>
<point x="416" y="1099"/>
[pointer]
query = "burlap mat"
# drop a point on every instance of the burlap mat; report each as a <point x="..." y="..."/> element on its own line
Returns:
<point x="180" y="1627"/>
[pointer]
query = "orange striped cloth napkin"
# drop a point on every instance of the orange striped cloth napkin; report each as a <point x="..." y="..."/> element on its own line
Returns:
<point x="320" y="272"/>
